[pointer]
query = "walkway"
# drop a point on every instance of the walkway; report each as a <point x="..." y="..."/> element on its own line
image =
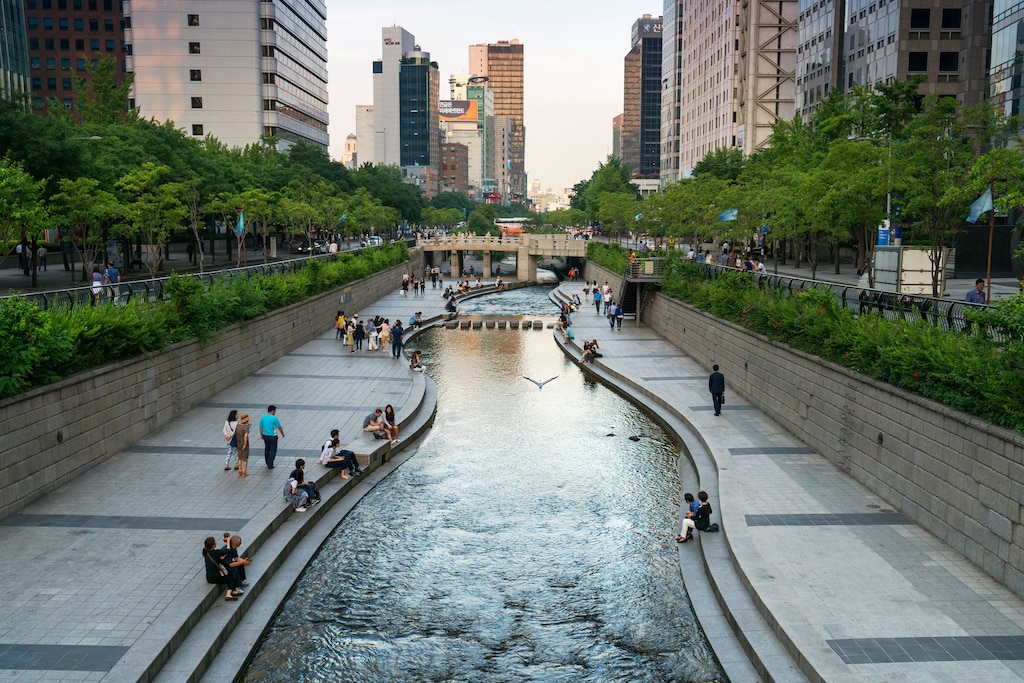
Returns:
<point x="860" y="592"/>
<point x="102" y="580"/>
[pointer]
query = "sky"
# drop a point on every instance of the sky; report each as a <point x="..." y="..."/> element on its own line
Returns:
<point x="574" y="53"/>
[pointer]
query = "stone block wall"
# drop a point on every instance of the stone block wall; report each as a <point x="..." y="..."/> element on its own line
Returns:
<point x="54" y="433"/>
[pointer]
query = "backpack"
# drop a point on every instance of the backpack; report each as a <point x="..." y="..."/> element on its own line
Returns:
<point x="106" y="277"/>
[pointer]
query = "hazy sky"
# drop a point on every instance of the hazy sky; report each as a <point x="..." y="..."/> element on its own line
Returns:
<point x="574" y="53"/>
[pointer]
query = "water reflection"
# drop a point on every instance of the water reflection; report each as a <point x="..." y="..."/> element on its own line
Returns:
<point x="528" y="540"/>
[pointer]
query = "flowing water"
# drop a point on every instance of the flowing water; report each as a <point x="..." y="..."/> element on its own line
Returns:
<point x="528" y="539"/>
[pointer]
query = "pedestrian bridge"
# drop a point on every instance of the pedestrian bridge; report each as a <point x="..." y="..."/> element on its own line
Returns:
<point x="523" y="246"/>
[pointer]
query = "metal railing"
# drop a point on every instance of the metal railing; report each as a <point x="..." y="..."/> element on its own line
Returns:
<point x="944" y="313"/>
<point x="153" y="289"/>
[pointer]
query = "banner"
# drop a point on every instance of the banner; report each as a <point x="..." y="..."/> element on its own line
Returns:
<point x="457" y="110"/>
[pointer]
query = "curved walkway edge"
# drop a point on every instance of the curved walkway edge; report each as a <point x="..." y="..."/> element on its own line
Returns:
<point x="850" y="589"/>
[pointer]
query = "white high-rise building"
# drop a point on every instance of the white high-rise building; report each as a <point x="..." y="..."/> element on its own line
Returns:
<point x="234" y="69"/>
<point x="365" y="133"/>
<point x="387" y="112"/>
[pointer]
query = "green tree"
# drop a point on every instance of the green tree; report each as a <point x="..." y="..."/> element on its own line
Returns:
<point x="22" y="214"/>
<point x="618" y="211"/>
<point x="612" y="176"/>
<point x="724" y="163"/>
<point x="85" y="212"/>
<point x="153" y="208"/>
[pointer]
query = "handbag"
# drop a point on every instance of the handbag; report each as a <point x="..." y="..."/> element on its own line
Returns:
<point x="722" y="399"/>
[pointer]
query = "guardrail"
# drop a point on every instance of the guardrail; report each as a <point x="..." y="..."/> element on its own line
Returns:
<point x="892" y="305"/>
<point x="153" y="289"/>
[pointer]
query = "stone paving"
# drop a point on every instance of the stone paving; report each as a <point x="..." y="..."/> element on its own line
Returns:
<point x="101" y="576"/>
<point x="860" y="592"/>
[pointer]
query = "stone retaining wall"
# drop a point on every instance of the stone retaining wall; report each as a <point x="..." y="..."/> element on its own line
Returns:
<point x="957" y="476"/>
<point x="54" y="433"/>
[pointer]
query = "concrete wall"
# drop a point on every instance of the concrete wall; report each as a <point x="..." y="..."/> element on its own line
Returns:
<point x="957" y="476"/>
<point x="54" y="433"/>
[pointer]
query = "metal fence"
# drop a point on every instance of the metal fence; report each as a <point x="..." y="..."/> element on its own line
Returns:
<point x="944" y="313"/>
<point x="153" y="289"/>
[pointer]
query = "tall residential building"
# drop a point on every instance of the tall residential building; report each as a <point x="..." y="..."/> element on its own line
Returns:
<point x="502" y="63"/>
<point x="63" y="38"/>
<point x="728" y="74"/>
<point x="617" y="136"/>
<point x="395" y="43"/>
<point x="420" y="132"/>
<point x="641" y="102"/>
<point x="14" y="76"/>
<point x="234" y="69"/>
<point x="819" y="53"/>
<point x="945" y="41"/>
<point x="1006" y="76"/>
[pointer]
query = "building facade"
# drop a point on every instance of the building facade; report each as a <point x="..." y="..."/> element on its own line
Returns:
<point x="1006" y="84"/>
<point x="233" y="69"/>
<point x="365" y="133"/>
<point x="502" y="64"/>
<point x="641" y="101"/>
<point x="728" y="74"/>
<point x="63" y="39"/>
<point x="395" y="43"/>
<point x="819" y="53"/>
<point x="455" y="167"/>
<point x="14" y="61"/>
<point x="945" y="42"/>
<point x="350" y="154"/>
<point x="419" y="125"/>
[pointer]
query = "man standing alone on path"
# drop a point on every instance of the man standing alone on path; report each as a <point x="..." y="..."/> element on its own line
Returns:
<point x="977" y="295"/>
<point x="269" y="427"/>
<point x="716" y="384"/>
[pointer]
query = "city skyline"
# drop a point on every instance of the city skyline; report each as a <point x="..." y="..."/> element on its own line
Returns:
<point x="573" y="66"/>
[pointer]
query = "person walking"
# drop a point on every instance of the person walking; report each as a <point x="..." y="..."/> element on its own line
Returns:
<point x="716" y="385"/>
<point x="229" y="436"/>
<point x="270" y="425"/>
<point x="396" y="339"/>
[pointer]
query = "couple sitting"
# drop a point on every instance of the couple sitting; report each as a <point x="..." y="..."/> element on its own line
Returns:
<point x="590" y="352"/>
<point x="382" y="424"/>
<point x="333" y="456"/>
<point x="698" y="516"/>
<point x="224" y="566"/>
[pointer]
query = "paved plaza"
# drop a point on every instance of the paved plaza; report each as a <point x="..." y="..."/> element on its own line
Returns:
<point x="103" y="578"/>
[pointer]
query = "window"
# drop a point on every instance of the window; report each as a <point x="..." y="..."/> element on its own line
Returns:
<point x="920" y="18"/>
<point x="33" y="43"/>
<point x="51" y="83"/>
<point x="108" y="25"/>
<point x="48" y="44"/>
<point x="917" y="62"/>
<point x="67" y="103"/>
<point x="268" y="50"/>
<point x="80" y="64"/>
<point x="36" y="63"/>
<point x="65" y="64"/>
<point x="949" y="61"/>
<point x="267" y="24"/>
<point x="76" y="4"/>
<point x="197" y="129"/>
<point x="62" y="23"/>
<point x="108" y="45"/>
<point x="94" y="25"/>
<point x="33" y="24"/>
<point x="65" y="84"/>
<point x="37" y="83"/>
<point x="30" y="4"/>
<point x="195" y="74"/>
<point x="79" y="44"/>
<point x="193" y="48"/>
<point x="79" y="24"/>
<point x="193" y="20"/>
<point x="951" y="18"/>
<point x="94" y="44"/>
<point x="197" y="102"/>
<point x="51" y="63"/>
<point x="65" y="44"/>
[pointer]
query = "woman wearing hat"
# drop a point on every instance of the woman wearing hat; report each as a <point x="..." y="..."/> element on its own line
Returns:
<point x="242" y="438"/>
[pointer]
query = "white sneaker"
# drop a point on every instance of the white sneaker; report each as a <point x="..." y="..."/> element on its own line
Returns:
<point x="300" y="509"/>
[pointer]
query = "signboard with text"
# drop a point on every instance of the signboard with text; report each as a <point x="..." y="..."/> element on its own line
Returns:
<point x="457" y="110"/>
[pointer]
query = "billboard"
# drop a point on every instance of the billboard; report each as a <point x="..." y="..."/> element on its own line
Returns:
<point x="457" y="110"/>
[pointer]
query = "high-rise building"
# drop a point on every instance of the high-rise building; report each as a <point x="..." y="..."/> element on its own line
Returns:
<point x="641" y="102"/>
<point x="234" y="69"/>
<point x="454" y="167"/>
<point x="395" y="43"/>
<point x="728" y="74"/>
<point x="14" y="73"/>
<point x="617" y="136"/>
<point x="420" y="133"/>
<point x="819" y="53"/>
<point x="946" y="42"/>
<point x="365" y="133"/>
<point x="63" y="38"/>
<point x="1006" y="76"/>
<point x="459" y="125"/>
<point x="502" y="63"/>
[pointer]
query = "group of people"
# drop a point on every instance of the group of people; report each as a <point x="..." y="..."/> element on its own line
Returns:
<point x="236" y="434"/>
<point x="378" y="333"/>
<point x="224" y="566"/>
<point x="108" y="277"/>
<point x="418" y="285"/>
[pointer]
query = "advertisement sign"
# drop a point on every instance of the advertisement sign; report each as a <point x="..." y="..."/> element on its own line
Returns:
<point x="457" y="110"/>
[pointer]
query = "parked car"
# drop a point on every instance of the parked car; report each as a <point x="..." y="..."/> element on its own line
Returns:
<point x="372" y="241"/>
<point x="304" y="246"/>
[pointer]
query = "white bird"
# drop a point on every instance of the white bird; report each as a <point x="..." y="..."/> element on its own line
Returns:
<point x="540" y="385"/>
